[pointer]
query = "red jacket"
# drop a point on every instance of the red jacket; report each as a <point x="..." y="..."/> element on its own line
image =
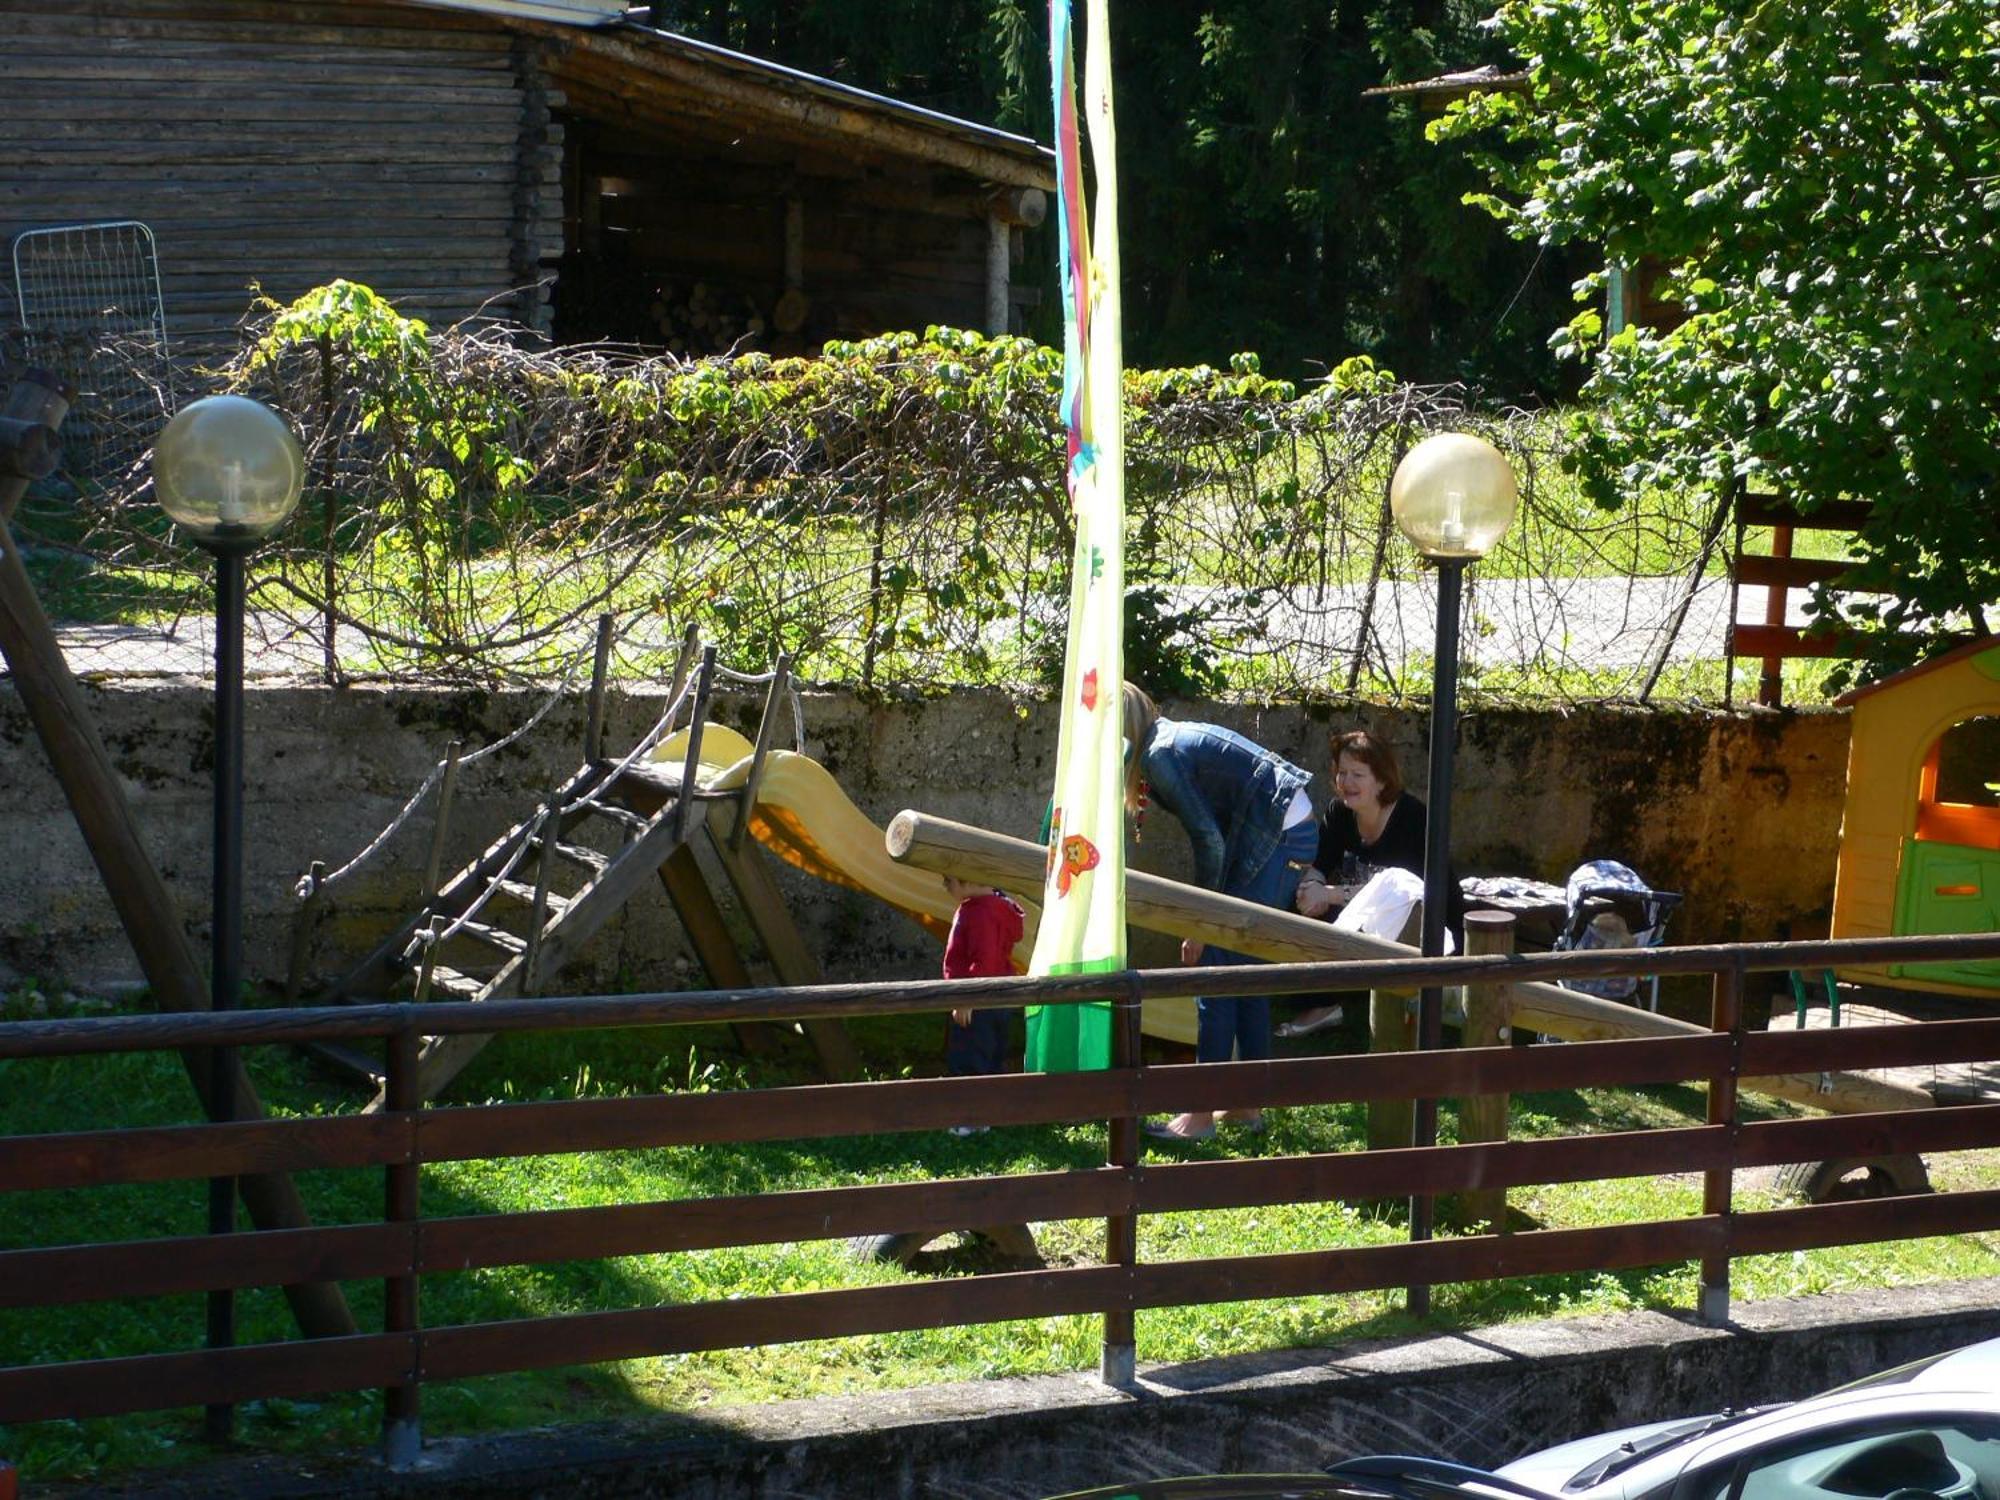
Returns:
<point x="984" y="931"/>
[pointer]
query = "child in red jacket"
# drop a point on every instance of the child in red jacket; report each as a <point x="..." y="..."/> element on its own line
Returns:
<point x="984" y="930"/>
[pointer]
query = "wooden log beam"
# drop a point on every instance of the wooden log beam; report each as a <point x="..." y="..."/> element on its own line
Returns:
<point x="670" y="72"/>
<point x="1186" y="911"/>
<point x="77" y="755"/>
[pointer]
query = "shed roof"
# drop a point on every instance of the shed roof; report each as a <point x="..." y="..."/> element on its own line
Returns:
<point x="609" y="32"/>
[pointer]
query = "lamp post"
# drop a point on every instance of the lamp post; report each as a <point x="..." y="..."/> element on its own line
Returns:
<point x="227" y="471"/>
<point x="1453" y="496"/>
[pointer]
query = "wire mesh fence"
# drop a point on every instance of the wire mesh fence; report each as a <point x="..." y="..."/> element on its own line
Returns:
<point x="891" y="514"/>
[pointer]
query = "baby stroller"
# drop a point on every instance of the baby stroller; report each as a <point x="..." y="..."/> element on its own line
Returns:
<point x="1609" y="906"/>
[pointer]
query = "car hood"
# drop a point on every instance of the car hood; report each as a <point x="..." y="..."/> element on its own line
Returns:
<point x="1552" y="1466"/>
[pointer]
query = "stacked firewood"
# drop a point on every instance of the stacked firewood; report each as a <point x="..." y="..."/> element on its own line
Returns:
<point x="695" y="318"/>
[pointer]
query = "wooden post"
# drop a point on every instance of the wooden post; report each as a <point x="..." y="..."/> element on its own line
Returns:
<point x="1483" y="1117"/>
<point x="1392" y="1027"/>
<point x="1118" y="1364"/>
<point x="304" y="925"/>
<point x="600" y="682"/>
<point x="30" y="450"/>
<point x="1726" y="1015"/>
<point x="999" y="274"/>
<point x="447" y="790"/>
<point x="146" y="911"/>
<point x="780" y="680"/>
<point x="402" y="1408"/>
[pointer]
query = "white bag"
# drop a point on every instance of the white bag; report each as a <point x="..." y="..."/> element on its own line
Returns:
<point x="1382" y="907"/>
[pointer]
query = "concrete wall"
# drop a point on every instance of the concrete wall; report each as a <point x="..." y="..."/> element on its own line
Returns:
<point x="1739" y="811"/>
<point x="1482" y="1398"/>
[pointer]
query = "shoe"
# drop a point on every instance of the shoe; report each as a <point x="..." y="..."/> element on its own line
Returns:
<point x="1332" y="1016"/>
<point x="964" y="1130"/>
<point x="1163" y="1130"/>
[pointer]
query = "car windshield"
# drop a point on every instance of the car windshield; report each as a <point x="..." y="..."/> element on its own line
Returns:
<point x="1626" y="1454"/>
<point x="1901" y="1375"/>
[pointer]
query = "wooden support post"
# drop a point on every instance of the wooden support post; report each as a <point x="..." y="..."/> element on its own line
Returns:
<point x="402" y="1403"/>
<point x="703" y="922"/>
<point x="1118" y="1363"/>
<point x="1392" y="1027"/>
<point x="781" y="679"/>
<point x="1483" y="1117"/>
<point x="147" y="912"/>
<point x="551" y="834"/>
<point x="1717" y="1184"/>
<point x="447" y="790"/>
<point x="764" y="904"/>
<point x="691" y="763"/>
<point x="600" y="684"/>
<point x="304" y="925"/>
<point x="999" y="274"/>
<point x="684" y="662"/>
<point x="29" y="448"/>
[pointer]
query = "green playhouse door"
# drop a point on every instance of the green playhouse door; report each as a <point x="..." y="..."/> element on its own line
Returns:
<point x="1945" y="888"/>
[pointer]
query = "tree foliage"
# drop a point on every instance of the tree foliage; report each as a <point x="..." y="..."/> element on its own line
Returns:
<point x="1821" y="179"/>
<point x="1266" y="203"/>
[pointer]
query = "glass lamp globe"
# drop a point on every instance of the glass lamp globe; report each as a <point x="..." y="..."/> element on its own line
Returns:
<point x="1453" y="496"/>
<point x="228" y="471"/>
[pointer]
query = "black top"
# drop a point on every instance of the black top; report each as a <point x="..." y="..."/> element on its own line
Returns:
<point x="1399" y="846"/>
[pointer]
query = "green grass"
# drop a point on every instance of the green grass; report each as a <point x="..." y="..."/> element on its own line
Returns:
<point x="96" y="1093"/>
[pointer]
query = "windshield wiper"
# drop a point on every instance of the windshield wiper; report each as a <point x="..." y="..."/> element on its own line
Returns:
<point x="1402" y="1477"/>
<point x="1626" y="1454"/>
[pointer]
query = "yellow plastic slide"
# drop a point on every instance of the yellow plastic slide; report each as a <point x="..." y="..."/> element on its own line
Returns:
<point x="804" y="818"/>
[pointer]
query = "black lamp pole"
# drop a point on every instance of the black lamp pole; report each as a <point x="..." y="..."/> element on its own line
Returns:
<point x="226" y="920"/>
<point x="1437" y="874"/>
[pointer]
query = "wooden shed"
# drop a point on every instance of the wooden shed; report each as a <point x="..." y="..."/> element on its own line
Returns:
<point x="547" y="161"/>
<point x="1920" y="837"/>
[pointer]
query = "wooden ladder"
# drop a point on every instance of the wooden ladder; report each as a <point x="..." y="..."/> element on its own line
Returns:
<point x="510" y="907"/>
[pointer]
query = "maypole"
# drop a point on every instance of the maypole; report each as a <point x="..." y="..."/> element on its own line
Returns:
<point x="1083" y="902"/>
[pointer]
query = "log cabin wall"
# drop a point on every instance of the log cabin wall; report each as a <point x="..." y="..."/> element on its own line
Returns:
<point x="287" y="142"/>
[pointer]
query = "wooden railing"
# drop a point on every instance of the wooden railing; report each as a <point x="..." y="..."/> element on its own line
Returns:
<point x="406" y="1246"/>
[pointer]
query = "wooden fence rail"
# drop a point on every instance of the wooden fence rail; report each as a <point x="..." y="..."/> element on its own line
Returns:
<point x="407" y="1245"/>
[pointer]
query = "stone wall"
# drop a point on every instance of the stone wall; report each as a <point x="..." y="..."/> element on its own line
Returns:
<point x="1740" y="811"/>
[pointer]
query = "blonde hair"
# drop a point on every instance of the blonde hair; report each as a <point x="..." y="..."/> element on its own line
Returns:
<point x="1140" y="715"/>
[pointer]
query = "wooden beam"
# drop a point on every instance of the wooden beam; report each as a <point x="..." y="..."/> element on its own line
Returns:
<point x="146" y="910"/>
<point x="1186" y="911"/>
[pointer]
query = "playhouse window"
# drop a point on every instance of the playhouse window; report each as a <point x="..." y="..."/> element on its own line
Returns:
<point x="1958" y="794"/>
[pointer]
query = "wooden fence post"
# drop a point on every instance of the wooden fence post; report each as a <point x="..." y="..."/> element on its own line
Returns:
<point x="1119" y="1364"/>
<point x="1726" y="1015"/>
<point x="1483" y="1117"/>
<point x="1392" y="1027"/>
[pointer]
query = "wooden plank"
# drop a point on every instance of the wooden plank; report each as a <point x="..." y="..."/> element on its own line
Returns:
<point x="1764" y="1143"/>
<point x="1546" y="1252"/>
<point x="226" y="25"/>
<point x="935" y="1207"/>
<point x="1781" y="640"/>
<point x="207" y="70"/>
<point x="198" y="1263"/>
<point x="1872" y="1046"/>
<point x="808" y="1112"/>
<point x="151" y="1382"/>
<point x="1776" y="1230"/>
<point x="1788" y="572"/>
<point x="53" y="137"/>
<point x="1771" y="510"/>
<point x="171" y="1153"/>
<point x="581" y="1338"/>
<point x="76" y="115"/>
<point x="1244" y="927"/>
